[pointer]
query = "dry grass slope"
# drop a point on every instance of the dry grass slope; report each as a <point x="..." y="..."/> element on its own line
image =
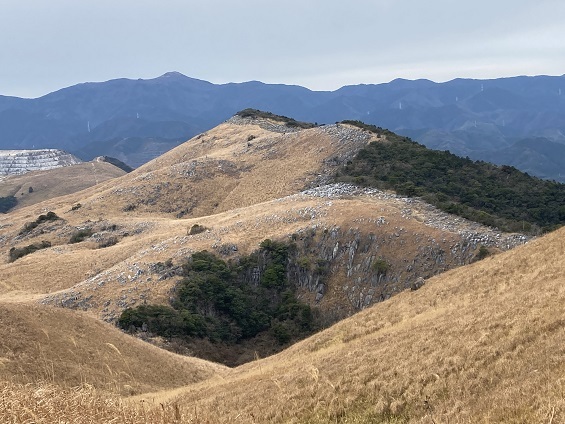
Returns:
<point x="69" y="348"/>
<point x="47" y="403"/>
<point x="480" y="344"/>
<point x="57" y="182"/>
<point x="222" y="169"/>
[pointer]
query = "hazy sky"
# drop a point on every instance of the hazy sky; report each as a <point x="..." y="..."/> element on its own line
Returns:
<point x="319" y="44"/>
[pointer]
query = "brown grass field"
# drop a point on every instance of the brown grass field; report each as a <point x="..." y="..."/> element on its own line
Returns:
<point x="56" y="182"/>
<point x="479" y="344"/>
<point x="483" y="343"/>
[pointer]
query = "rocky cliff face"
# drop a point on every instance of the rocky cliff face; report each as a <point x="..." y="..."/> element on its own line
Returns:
<point x="15" y="162"/>
<point x="343" y="270"/>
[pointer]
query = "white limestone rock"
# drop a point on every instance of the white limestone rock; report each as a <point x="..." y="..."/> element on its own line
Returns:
<point x="16" y="162"/>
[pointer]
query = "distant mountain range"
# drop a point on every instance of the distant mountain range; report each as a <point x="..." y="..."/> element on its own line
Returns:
<point x="517" y="121"/>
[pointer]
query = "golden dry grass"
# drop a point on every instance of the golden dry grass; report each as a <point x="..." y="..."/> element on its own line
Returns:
<point x="480" y="344"/>
<point x="69" y="348"/>
<point x="71" y="268"/>
<point x="57" y="182"/>
<point x="231" y="192"/>
<point x="217" y="171"/>
<point x="44" y="403"/>
<point x="214" y="172"/>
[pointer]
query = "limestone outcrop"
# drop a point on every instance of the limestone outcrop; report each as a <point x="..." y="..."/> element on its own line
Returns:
<point x="16" y="162"/>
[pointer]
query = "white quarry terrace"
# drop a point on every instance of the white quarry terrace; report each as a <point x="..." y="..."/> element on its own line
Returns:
<point x="15" y="162"/>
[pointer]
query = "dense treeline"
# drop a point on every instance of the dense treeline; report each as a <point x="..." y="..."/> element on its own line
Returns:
<point x="498" y="196"/>
<point x="229" y="302"/>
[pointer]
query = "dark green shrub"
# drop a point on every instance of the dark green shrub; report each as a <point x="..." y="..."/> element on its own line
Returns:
<point x="29" y="226"/>
<point x="281" y="333"/>
<point x="110" y="241"/>
<point x="161" y="320"/>
<point x="219" y="301"/>
<point x="304" y="262"/>
<point x="380" y="266"/>
<point x="16" y="253"/>
<point x="289" y="122"/>
<point x="196" y="229"/>
<point x="497" y="196"/>
<point x="80" y="235"/>
<point x="322" y="267"/>
<point x="371" y="128"/>
<point x="7" y="203"/>
<point x="482" y="253"/>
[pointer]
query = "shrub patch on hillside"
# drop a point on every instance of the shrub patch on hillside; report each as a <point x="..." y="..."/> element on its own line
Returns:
<point x="230" y="302"/>
<point x="497" y="196"/>
<point x="29" y="226"/>
<point x="80" y="235"/>
<point x="7" y="203"/>
<point x="19" y="252"/>
<point x="289" y="122"/>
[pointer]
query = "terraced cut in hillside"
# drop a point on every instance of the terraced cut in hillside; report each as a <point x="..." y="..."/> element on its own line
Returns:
<point x="123" y="243"/>
<point x="15" y="162"/>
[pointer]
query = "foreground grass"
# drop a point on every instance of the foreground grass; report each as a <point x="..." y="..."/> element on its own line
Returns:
<point x="478" y="344"/>
<point x="48" y="403"/>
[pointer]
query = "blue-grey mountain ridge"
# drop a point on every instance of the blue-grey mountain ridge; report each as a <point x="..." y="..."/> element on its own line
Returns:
<point x="518" y="121"/>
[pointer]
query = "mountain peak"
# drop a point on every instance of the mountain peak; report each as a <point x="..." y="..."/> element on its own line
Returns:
<point x="173" y="74"/>
<point x="175" y="77"/>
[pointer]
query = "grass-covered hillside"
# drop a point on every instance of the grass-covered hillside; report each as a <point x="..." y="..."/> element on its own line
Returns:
<point x="481" y="344"/>
<point x="499" y="196"/>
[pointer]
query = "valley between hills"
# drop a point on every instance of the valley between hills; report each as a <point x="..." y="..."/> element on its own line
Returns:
<point x="422" y="316"/>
